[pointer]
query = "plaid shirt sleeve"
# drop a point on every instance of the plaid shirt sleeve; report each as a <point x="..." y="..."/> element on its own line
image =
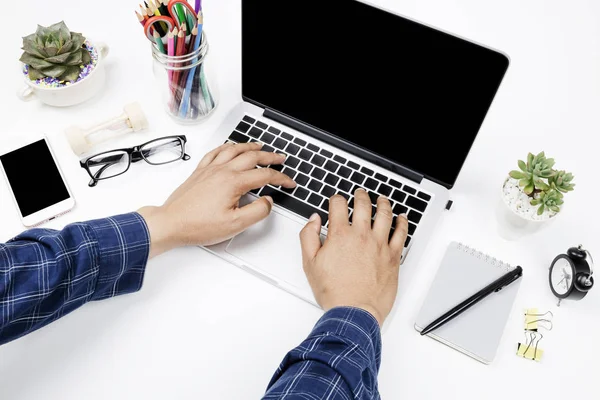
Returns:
<point x="45" y="274"/>
<point x="338" y="361"/>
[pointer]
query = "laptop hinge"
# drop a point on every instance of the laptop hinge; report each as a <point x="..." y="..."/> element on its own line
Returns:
<point x="344" y="145"/>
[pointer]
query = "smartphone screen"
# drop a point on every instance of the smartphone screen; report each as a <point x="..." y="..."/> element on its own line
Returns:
<point x="34" y="178"/>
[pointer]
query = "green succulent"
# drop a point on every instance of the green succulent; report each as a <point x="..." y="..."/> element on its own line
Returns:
<point x="561" y="181"/>
<point x="551" y="200"/>
<point x="55" y="52"/>
<point x="533" y="172"/>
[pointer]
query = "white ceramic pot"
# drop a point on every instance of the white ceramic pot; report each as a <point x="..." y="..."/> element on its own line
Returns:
<point x="73" y="94"/>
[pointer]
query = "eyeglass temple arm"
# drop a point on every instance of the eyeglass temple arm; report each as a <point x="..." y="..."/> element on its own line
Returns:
<point x="95" y="179"/>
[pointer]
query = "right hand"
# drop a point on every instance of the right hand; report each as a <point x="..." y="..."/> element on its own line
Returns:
<point x="358" y="265"/>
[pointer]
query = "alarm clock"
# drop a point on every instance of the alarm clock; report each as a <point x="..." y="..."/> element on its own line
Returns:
<point x="571" y="274"/>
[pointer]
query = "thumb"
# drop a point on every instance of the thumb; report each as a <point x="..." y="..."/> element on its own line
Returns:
<point x="255" y="212"/>
<point x="310" y="238"/>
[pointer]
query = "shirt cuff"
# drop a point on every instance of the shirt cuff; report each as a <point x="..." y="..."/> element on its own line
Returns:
<point x="123" y="251"/>
<point x="354" y="324"/>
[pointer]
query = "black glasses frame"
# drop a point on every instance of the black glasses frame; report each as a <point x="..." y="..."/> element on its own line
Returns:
<point x="135" y="155"/>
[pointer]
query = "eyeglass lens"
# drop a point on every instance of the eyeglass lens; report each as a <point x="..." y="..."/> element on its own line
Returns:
<point x="108" y="165"/>
<point x="163" y="151"/>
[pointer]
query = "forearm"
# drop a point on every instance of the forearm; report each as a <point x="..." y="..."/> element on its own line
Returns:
<point x="339" y="360"/>
<point x="46" y="274"/>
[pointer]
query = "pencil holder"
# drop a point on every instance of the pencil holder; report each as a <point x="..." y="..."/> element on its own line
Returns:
<point x="188" y="90"/>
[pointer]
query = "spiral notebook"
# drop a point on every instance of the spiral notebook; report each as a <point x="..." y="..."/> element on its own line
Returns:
<point x="476" y="332"/>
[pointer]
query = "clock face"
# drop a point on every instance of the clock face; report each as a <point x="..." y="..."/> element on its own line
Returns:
<point x="562" y="276"/>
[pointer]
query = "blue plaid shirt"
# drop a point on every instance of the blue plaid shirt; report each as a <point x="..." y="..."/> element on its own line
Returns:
<point x="45" y="274"/>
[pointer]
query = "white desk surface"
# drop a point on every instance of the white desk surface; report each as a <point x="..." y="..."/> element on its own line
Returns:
<point x="203" y="329"/>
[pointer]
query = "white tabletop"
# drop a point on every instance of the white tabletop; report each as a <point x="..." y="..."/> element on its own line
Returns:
<point x="203" y="329"/>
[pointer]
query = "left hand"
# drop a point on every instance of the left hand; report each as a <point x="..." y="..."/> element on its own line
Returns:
<point x="205" y="210"/>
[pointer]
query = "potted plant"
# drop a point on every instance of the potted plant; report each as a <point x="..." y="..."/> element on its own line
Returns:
<point x="535" y="192"/>
<point x="60" y="67"/>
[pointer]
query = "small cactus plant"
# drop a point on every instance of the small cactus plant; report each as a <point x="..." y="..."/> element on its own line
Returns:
<point x="542" y="183"/>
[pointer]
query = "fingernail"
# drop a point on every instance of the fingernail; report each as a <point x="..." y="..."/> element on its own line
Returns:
<point x="404" y="215"/>
<point x="359" y="189"/>
<point x="313" y="217"/>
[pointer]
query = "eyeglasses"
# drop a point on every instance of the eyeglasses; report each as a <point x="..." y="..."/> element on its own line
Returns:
<point x="116" y="162"/>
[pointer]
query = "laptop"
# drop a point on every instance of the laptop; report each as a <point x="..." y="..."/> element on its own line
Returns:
<point x="355" y="96"/>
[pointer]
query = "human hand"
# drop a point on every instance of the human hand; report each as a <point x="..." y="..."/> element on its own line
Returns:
<point x="356" y="266"/>
<point x="205" y="210"/>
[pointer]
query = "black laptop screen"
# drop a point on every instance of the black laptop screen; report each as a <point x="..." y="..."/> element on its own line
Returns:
<point x="409" y="93"/>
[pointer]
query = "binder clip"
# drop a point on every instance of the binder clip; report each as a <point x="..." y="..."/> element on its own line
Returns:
<point x="530" y="349"/>
<point x="83" y="140"/>
<point x="535" y="320"/>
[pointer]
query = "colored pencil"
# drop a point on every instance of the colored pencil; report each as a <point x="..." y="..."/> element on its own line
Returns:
<point x="159" y="42"/>
<point x="180" y="13"/>
<point x="164" y="10"/>
<point x="189" y="81"/>
<point x="171" y="50"/>
<point x="179" y="51"/>
<point x="140" y="18"/>
<point x="198" y="6"/>
<point x="184" y="76"/>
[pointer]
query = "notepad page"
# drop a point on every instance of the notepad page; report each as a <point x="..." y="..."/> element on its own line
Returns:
<point x="476" y="332"/>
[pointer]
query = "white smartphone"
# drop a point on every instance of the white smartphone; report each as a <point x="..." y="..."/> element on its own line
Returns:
<point x="36" y="182"/>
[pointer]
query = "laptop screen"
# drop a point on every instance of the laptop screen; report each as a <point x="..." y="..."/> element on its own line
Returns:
<point x="409" y="93"/>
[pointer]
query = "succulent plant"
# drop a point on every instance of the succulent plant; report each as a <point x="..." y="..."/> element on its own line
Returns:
<point x="55" y="52"/>
<point x="561" y="181"/>
<point x="551" y="200"/>
<point x="533" y="172"/>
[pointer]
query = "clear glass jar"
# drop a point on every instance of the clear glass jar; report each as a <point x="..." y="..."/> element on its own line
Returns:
<point x="187" y="85"/>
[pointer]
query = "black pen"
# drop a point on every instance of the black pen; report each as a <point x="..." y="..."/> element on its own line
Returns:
<point x="493" y="287"/>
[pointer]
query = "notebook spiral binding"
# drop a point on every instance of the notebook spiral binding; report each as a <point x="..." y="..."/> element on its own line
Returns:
<point x="485" y="257"/>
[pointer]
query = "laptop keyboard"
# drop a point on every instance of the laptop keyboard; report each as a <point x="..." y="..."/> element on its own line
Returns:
<point x="321" y="174"/>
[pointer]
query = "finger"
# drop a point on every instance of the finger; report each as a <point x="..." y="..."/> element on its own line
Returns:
<point x="338" y="213"/>
<point x="251" y="159"/>
<point x="210" y="156"/>
<point x="361" y="217"/>
<point x="383" y="219"/>
<point x="310" y="238"/>
<point x="399" y="236"/>
<point x="253" y="213"/>
<point x="258" y="178"/>
<point x="232" y="152"/>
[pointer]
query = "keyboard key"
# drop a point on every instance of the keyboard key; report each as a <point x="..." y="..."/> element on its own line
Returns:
<point x="331" y="166"/>
<point x="318" y="160"/>
<point x="248" y="119"/>
<point x="357" y="177"/>
<point x="315" y="186"/>
<point x="353" y="165"/>
<point x="255" y="132"/>
<point x="325" y="205"/>
<point x="291" y="162"/>
<point x="408" y="239"/>
<point x="344" y="195"/>
<point x="409" y="190"/>
<point x="288" y="202"/>
<point x="280" y="143"/>
<point x="367" y="171"/>
<point x="328" y="191"/>
<point x="268" y="149"/>
<point x="400" y="209"/>
<point x="274" y="130"/>
<point x="318" y="173"/>
<point x="326" y="153"/>
<point x="289" y="172"/>
<point x="395" y="184"/>
<point x="374" y="196"/>
<point x="373" y="211"/>
<point x="292" y="149"/>
<point x="414" y="216"/>
<point x="398" y="196"/>
<point x="415" y="203"/>
<point x="243" y="127"/>
<point x="290" y="191"/>
<point x="287" y="136"/>
<point x="267" y="138"/>
<point x="339" y="159"/>
<point x="411" y="228"/>
<point x="277" y="167"/>
<point x="313" y="147"/>
<point x="300" y="142"/>
<point x="382" y="178"/>
<point x="332" y="179"/>
<point x="302" y="179"/>
<point x="356" y="187"/>
<point x="315" y="199"/>
<point x="385" y="190"/>
<point x="261" y="125"/>
<point x="351" y="202"/>
<point x="301" y="193"/>
<point x="305" y="167"/>
<point x="238" y="137"/>
<point x="344" y="172"/>
<point x="371" y="184"/>
<point x="344" y="185"/>
<point x="305" y="155"/>
<point x="424" y="196"/>
<point x="253" y="141"/>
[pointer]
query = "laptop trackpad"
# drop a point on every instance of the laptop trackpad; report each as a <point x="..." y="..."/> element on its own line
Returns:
<point x="273" y="246"/>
